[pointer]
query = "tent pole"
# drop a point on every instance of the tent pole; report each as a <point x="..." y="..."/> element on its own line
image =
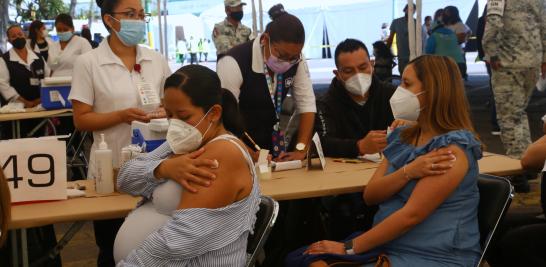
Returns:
<point x="419" y="30"/>
<point x="411" y="29"/>
<point x="165" y="43"/>
<point x="160" y="26"/>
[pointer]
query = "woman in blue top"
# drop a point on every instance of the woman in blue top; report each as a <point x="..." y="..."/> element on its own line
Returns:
<point x="426" y="187"/>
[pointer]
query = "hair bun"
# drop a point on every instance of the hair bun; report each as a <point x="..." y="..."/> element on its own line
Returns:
<point x="99" y="3"/>
<point x="275" y="11"/>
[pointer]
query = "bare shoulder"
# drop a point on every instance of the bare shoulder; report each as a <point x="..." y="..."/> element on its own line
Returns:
<point x="226" y="152"/>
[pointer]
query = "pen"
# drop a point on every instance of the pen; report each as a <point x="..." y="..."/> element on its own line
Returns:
<point x="256" y="146"/>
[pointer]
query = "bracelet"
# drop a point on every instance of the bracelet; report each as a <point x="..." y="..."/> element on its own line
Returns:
<point x="405" y="173"/>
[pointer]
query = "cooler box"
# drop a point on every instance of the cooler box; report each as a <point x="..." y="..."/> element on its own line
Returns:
<point x="54" y="92"/>
<point x="149" y="135"/>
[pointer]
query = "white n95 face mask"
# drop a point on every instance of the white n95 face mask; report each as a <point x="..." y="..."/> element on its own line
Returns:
<point x="405" y="105"/>
<point x="183" y="137"/>
<point x="359" y="84"/>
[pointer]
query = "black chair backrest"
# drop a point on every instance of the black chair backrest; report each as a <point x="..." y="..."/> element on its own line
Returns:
<point x="543" y="192"/>
<point x="265" y="219"/>
<point x="495" y="197"/>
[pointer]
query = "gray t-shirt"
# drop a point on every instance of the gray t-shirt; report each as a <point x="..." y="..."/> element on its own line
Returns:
<point x="400" y="26"/>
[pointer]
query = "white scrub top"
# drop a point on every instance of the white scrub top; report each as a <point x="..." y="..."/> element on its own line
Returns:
<point x="101" y="80"/>
<point x="60" y="61"/>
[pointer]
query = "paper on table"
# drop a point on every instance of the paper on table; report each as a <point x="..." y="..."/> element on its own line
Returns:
<point x="372" y="157"/>
<point x="288" y="165"/>
<point x="57" y="80"/>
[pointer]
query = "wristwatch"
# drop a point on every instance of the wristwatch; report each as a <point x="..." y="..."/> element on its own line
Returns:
<point x="349" y="247"/>
<point x="300" y="147"/>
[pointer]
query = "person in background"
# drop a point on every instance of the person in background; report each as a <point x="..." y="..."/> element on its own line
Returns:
<point x="384" y="31"/>
<point x="105" y="93"/>
<point x="230" y="32"/>
<point x="481" y="56"/>
<point x="206" y="49"/>
<point x="437" y="19"/>
<point x="39" y="40"/>
<point x="399" y="27"/>
<point x="64" y="53"/>
<point x="514" y="41"/>
<point x="260" y="73"/>
<point x="427" y="181"/>
<point x="427" y="26"/>
<point x="443" y="42"/>
<point x="363" y="100"/>
<point x="210" y="227"/>
<point x="192" y="49"/>
<point x="86" y="34"/>
<point x="452" y="21"/>
<point x="384" y="61"/>
<point x="21" y="71"/>
<point x="5" y="208"/>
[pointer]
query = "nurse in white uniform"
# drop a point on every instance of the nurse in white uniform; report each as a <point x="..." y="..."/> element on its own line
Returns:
<point x="106" y="86"/>
<point x="62" y="54"/>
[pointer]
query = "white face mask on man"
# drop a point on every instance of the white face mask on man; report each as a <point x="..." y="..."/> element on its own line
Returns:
<point x="359" y="84"/>
<point x="405" y="104"/>
<point x="183" y="137"/>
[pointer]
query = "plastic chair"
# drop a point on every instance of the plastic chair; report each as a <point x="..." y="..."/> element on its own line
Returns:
<point x="265" y="219"/>
<point x="496" y="194"/>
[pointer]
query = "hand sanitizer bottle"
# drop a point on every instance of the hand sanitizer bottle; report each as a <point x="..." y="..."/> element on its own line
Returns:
<point x="104" y="180"/>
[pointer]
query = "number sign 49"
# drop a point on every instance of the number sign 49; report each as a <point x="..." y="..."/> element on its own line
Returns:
<point x="35" y="168"/>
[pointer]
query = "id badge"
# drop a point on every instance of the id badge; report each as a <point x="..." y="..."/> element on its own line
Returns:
<point x="34" y="81"/>
<point x="148" y="96"/>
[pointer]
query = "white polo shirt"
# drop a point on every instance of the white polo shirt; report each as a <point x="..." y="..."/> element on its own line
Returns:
<point x="232" y="79"/>
<point x="7" y="91"/>
<point x="61" y="61"/>
<point x="101" y="80"/>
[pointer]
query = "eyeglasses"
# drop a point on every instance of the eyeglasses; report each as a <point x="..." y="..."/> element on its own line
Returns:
<point x="293" y="61"/>
<point x="146" y="17"/>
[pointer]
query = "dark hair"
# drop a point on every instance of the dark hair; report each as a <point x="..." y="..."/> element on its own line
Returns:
<point x="64" y="19"/>
<point x="383" y="50"/>
<point x="428" y="18"/>
<point x="203" y="87"/>
<point x="86" y="33"/>
<point x="107" y="7"/>
<point x="34" y="26"/>
<point x="406" y="7"/>
<point x="284" y="27"/>
<point x="11" y="27"/>
<point x="438" y="13"/>
<point x="453" y="17"/>
<point x="348" y="46"/>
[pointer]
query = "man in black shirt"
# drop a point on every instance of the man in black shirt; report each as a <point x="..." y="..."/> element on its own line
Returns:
<point x="353" y="116"/>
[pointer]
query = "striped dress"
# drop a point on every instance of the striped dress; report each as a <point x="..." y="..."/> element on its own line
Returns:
<point x="196" y="236"/>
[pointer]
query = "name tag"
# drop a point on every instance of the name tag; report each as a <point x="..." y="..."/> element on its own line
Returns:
<point x="148" y="96"/>
<point x="495" y="7"/>
<point x="34" y="81"/>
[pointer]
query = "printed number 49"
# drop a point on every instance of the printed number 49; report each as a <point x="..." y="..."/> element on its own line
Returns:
<point x="30" y="164"/>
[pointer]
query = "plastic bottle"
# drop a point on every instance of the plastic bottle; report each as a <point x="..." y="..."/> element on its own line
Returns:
<point x="104" y="180"/>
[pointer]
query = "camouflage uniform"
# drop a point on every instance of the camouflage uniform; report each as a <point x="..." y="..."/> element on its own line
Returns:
<point x="515" y="35"/>
<point x="226" y="36"/>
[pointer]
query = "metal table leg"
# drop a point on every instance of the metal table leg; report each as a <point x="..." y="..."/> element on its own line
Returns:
<point x="14" y="249"/>
<point x="24" y="247"/>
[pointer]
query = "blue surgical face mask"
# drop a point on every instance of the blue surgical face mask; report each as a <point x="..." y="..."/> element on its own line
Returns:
<point x="131" y="32"/>
<point x="65" y="36"/>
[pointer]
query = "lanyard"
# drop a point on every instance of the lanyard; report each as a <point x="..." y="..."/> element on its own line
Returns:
<point x="275" y="90"/>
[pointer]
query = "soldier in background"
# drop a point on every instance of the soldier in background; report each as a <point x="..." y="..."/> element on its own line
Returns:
<point x="230" y="32"/>
<point x="514" y="43"/>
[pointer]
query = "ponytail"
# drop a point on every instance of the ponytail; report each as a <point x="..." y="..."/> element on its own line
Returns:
<point x="231" y="118"/>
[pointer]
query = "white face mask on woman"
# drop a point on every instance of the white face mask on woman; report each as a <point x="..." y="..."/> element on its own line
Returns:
<point x="183" y="137"/>
<point x="359" y="84"/>
<point x="405" y="104"/>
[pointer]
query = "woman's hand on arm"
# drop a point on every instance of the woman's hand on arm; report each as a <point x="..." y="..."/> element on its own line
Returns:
<point x="382" y="187"/>
<point x="429" y="193"/>
<point x="188" y="170"/>
<point x="87" y="120"/>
